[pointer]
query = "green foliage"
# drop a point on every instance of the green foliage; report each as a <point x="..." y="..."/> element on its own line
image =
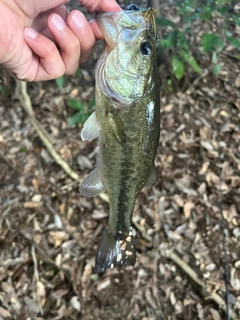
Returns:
<point x="169" y="85"/>
<point x="165" y="22"/>
<point x="83" y="111"/>
<point x="234" y="42"/>
<point x="4" y="90"/>
<point x="182" y="35"/>
<point x="190" y="60"/>
<point x="60" y="82"/>
<point x="211" y="42"/>
<point x="178" y="67"/>
<point x="78" y="73"/>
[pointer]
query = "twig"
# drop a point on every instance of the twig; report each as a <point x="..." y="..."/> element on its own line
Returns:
<point x="141" y="230"/>
<point x="27" y="105"/>
<point x="223" y="226"/>
<point x="193" y="85"/>
<point x="36" y="276"/>
<point x="193" y="275"/>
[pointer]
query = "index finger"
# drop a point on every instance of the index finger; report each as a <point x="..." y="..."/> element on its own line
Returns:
<point x="101" y="5"/>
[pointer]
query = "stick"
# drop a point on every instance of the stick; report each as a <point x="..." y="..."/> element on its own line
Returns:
<point x="36" y="276"/>
<point x="27" y="106"/>
<point x="194" y="276"/>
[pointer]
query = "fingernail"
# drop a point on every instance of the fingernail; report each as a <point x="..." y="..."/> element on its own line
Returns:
<point x="30" y="33"/>
<point x="58" y="22"/>
<point x="78" y="20"/>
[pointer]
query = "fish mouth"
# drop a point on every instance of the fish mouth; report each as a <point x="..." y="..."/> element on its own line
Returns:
<point x="112" y="23"/>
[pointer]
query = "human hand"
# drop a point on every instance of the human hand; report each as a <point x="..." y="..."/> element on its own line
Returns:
<point x="41" y="40"/>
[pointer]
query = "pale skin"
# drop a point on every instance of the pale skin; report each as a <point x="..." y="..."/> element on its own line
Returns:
<point x="40" y="40"/>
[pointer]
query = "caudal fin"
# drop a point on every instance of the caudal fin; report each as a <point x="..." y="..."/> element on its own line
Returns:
<point x="112" y="251"/>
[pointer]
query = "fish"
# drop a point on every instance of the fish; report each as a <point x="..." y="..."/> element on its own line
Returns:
<point x="126" y="122"/>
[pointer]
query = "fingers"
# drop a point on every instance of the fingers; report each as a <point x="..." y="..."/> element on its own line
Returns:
<point x="46" y="62"/>
<point x="83" y="31"/>
<point x="74" y="38"/>
<point x="68" y="42"/>
<point x="96" y="30"/>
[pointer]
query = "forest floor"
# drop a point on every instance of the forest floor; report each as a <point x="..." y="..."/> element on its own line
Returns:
<point x="49" y="233"/>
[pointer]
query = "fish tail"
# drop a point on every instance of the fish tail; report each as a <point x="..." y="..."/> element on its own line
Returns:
<point x="115" y="250"/>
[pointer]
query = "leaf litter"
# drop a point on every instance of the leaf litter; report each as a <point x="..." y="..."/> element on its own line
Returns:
<point x="198" y="163"/>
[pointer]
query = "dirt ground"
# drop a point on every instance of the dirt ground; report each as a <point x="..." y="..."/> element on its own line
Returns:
<point x="49" y="234"/>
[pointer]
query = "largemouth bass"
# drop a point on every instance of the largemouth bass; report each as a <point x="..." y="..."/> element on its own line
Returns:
<point x="127" y="123"/>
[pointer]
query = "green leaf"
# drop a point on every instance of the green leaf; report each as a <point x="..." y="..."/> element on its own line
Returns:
<point x="23" y="149"/>
<point x="223" y="9"/>
<point x="169" y="85"/>
<point x="60" y="82"/>
<point x="206" y="13"/>
<point x="78" y="73"/>
<point x="211" y="41"/>
<point x="171" y="39"/>
<point x="4" y="90"/>
<point x="192" y="17"/>
<point x="165" y="22"/>
<point x="181" y="41"/>
<point x="216" y="69"/>
<point x="79" y="117"/>
<point x="76" y="104"/>
<point x="214" y="58"/>
<point x="236" y="19"/>
<point x="234" y="42"/>
<point x="91" y="104"/>
<point x="178" y="67"/>
<point x="190" y="60"/>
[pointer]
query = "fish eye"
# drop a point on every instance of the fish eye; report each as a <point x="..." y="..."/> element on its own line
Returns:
<point x="133" y="7"/>
<point x="145" y="48"/>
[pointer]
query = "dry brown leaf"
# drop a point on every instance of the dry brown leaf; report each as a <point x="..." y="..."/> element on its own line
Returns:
<point x="58" y="237"/>
<point x="204" y="168"/>
<point x="4" y="313"/>
<point x="32" y="205"/>
<point x="41" y="292"/>
<point x="168" y="108"/>
<point x="75" y="303"/>
<point x="188" y="206"/>
<point x="66" y="153"/>
<point x="105" y="283"/>
<point x="215" y="314"/>
<point x="178" y="199"/>
<point x="62" y="207"/>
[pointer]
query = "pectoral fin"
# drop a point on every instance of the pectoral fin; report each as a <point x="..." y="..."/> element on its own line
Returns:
<point x="92" y="184"/>
<point x="90" y="128"/>
<point x="117" y="125"/>
<point x="152" y="177"/>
